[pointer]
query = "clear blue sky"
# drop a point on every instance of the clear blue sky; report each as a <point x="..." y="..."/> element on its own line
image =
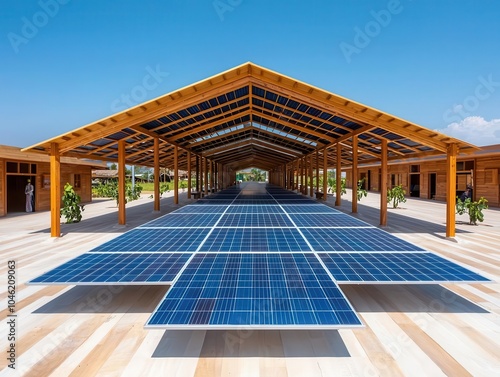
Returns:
<point x="65" y="63"/>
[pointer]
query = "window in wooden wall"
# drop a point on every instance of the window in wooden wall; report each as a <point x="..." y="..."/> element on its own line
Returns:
<point x="77" y="181"/>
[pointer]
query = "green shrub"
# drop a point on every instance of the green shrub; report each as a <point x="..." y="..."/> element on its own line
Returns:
<point x="396" y="195"/>
<point x="110" y="190"/>
<point x="361" y="191"/>
<point x="473" y="209"/>
<point x="71" y="208"/>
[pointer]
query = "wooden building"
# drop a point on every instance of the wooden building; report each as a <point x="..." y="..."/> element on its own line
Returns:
<point x="17" y="167"/>
<point x="426" y="177"/>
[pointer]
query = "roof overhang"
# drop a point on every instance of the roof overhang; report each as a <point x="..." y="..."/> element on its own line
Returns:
<point x="249" y="116"/>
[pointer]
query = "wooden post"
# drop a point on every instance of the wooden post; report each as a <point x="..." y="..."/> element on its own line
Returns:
<point x="317" y="170"/>
<point x="325" y="174"/>
<point x="55" y="190"/>
<point x="311" y="183"/>
<point x="383" y="184"/>
<point x="198" y="174"/>
<point x="156" y="174"/>
<point x="176" y="174"/>
<point x="205" y="175"/>
<point x="211" y="176"/>
<point x="354" y="171"/>
<point x="122" y="216"/>
<point x="338" y="173"/>
<point x="451" y="188"/>
<point x="302" y="175"/>
<point x="189" y="174"/>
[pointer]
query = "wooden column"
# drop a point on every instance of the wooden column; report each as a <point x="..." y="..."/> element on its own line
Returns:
<point x="157" y="174"/>
<point x="354" y="171"/>
<point x="198" y="174"/>
<point x="325" y="174"/>
<point x="189" y="174"/>
<point x="383" y="184"/>
<point x="302" y="175"/>
<point x="317" y="170"/>
<point x="122" y="216"/>
<point x="205" y="175"/>
<point x="55" y="190"/>
<point x="451" y="188"/>
<point x="211" y="176"/>
<point x="311" y="178"/>
<point x="176" y="174"/>
<point x="338" y="178"/>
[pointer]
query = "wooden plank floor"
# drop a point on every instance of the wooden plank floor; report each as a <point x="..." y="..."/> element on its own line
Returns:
<point x="411" y="330"/>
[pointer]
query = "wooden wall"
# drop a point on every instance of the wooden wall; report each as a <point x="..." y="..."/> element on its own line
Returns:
<point x="3" y="186"/>
<point x="486" y="180"/>
<point x="42" y="193"/>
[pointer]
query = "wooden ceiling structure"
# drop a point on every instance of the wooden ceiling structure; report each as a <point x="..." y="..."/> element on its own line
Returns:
<point x="250" y="116"/>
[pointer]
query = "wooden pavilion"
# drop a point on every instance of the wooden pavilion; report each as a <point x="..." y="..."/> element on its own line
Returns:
<point x="250" y="116"/>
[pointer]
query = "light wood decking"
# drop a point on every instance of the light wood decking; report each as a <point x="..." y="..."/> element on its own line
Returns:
<point x="412" y="330"/>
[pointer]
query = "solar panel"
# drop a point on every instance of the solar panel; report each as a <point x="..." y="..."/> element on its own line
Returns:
<point x="297" y="201"/>
<point x="323" y="220"/>
<point x="177" y="220"/>
<point x="254" y="260"/>
<point x="202" y="209"/>
<point x="255" y="220"/>
<point x="254" y="201"/>
<point x="216" y="202"/>
<point x="254" y="209"/>
<point x="117" y="268"/>
<point x="262" y="291"/>
<point x="355" y="239"/>
<point x="239" y="240"/>
<point x="155" y="240"/>
<point x="309" y="208"/>
<point x="396" y="268"/>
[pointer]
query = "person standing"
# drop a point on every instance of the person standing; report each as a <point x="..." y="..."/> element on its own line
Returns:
<point x="28" y="190"/>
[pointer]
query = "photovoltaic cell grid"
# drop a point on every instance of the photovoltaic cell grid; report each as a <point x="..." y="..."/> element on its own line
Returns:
<point x="254" y="220"/>
<point x="117" y="268"/>
<point x="355" y="240"/>
<point x="262" y="291"/>
<point x="190" y="220"/>
<point x="323" y="220"/>
<point x="396" y="267"/>
<point x="239" y="240"/>
<point x="155" y="240"/>
<point x="268" y="297"/>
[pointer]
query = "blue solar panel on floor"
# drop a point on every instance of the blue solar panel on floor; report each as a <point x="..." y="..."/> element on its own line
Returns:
<point x="297" y="201"/>
<point x="214" y="202"/>
<point x="254" y="209"/>
<point x="261" y="291"/>
<point x="396" y="268"/>
<point x="309" y="208"/>
<point x="327" y="220"/>
<point x="255" y="240"/>
<point x="355" y="239"/>
<point x="255" y="220"/>
<point x="117" y="268"/>
<point x="254" y="201"/>
<point x="176" y="220"/>
<point x="201" y="209"/>
<point x="155" y="240"/>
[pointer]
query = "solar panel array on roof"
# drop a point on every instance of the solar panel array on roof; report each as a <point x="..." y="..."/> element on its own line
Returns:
<point x="263" y="258"/>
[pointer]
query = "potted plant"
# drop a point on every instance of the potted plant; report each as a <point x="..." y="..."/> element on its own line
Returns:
<point x="71" y="209"/>
<point x="396" y="195"/>
<point x="473" y="209"/>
